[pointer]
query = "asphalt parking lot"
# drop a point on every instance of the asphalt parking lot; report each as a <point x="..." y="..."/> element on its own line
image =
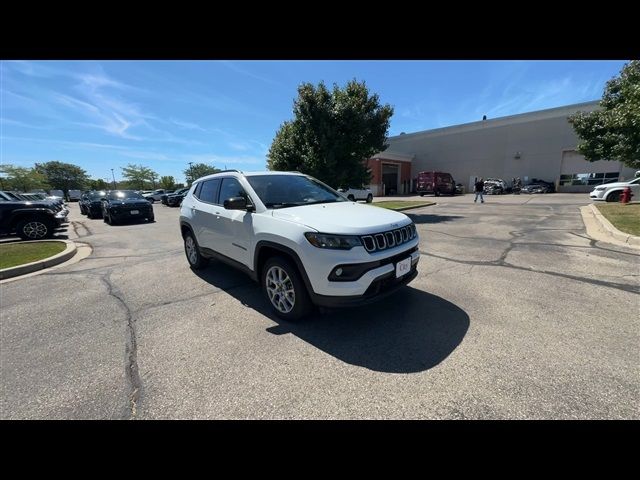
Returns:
<point x="515" y="314"/>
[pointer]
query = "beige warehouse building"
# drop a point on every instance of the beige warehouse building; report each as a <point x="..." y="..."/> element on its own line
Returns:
<point x="539" y="145"/>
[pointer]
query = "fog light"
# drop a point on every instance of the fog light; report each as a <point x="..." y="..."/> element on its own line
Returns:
<point x="338" y="272"/>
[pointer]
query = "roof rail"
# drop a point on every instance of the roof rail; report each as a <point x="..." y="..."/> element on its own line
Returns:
<point x="230" y="170"/>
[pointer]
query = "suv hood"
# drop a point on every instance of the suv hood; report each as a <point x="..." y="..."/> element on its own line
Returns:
<point x="343" y="217"/>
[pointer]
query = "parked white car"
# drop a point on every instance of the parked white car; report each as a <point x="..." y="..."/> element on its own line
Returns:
<point x="302" y="241"/>
<point x="156" y="195"/>
<point x="610" y="192"/>
<point x="354" y="194"/>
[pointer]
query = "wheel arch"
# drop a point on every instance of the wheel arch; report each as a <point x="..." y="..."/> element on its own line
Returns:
<point x="265" y="249"/>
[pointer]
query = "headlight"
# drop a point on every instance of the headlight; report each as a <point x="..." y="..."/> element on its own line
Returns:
<point x="599" y="189"/>
<point x="336" y="242"/>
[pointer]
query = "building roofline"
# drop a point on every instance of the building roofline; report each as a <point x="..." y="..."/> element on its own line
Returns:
<point x="500" y="121"/>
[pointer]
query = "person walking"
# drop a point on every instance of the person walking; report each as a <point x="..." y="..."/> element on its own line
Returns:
<point x="479" y="191"/>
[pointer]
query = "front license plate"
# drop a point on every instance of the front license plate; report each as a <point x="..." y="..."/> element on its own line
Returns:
<point x="403" y="267"/>
<point x="135" y="212"/>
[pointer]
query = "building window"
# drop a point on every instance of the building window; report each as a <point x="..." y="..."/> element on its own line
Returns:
<point x="588" y="178"/>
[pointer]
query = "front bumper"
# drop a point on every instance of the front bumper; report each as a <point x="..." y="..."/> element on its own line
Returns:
<point x="319" y="265"/>
<point x="60" y="217"/>
<point x="597" y="194"/>
<point x="127" y="215"/>
<point x="380" y="288"/>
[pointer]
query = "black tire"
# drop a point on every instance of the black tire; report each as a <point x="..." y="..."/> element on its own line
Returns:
<point x="34" y="228"/>
<point x="369" y="198"/>
<point x="82" y="210"/>
<point x="422" y="194"/>
<point x="89" y="214"/>
<point x="351" y="198"/>
<point x="613" y="197"/>
<point x="301" y="304"/>
<point x="436" y="193"/>
<point x="151" y="200"/>
<point x="192" y="251"/>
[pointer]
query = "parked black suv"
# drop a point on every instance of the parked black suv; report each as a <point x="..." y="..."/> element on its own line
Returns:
<point x="91" y="203"/>
<point x="123" y="205"/>
<point x="29" y="220"/>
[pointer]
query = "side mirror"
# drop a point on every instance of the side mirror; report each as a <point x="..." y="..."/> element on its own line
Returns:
<point x="235" y="203"/>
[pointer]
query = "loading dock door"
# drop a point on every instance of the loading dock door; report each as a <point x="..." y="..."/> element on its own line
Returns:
<point x="390" y="178"/>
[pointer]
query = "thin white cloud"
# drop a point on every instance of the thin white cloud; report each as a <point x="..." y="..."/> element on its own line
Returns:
<point x="236" y="68"/>
<point x="187" y="125"/>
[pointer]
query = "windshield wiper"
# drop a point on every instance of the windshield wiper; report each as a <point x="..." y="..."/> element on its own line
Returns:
<point x="283" y="204"/>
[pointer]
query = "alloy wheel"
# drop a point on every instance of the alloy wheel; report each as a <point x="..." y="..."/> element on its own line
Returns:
<point x="280" y="289"/>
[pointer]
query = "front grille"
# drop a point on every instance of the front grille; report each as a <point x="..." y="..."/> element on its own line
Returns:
<point x="389" y="239"/>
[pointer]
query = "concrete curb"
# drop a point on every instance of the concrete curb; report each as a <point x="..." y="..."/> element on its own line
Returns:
<point x="61" y="257"/>
<point x="613" y="231"/>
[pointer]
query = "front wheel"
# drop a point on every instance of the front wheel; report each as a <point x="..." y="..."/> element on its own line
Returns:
<point x="351" y="198"/>
<point x="192" y="250"/>
<point x="437" y="193"/>
<point x="34" y="229"/>
<point x="613" y="197"/>
<point x="284" y="289"/>
<point x="369" y="198"/>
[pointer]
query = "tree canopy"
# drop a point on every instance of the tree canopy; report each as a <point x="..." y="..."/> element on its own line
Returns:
<point x="332" y="134"/>
<point x="613" y="133"/>
<point x="22" y="179"/>
<point x="167" y="182"/>
<point x="63" y="176"/>
<point x="198" y="170"/>
<point x="139" y="176"/>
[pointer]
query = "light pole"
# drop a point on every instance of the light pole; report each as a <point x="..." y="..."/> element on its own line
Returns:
<point x="114" y="180"/>
<point x="191" y="172"/>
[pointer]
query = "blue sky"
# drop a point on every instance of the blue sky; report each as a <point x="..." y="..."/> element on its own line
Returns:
<point x="164" y="114"/>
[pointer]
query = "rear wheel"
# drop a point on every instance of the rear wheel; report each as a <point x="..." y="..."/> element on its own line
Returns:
<point x="613" y="197"/>
<point x="284" y="289"/>
<point x="192" y="250"/>
<point x="34" y="229"/>
<point x="351" y="198"/>
<point x="436" y="193"/>
<point x="369" y="198"/>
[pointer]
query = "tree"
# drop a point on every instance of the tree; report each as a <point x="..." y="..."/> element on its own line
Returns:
<point x="63" y="176"/>
<point x="613" y="133"/>
<point x="98" y="184"/>
<point x="23" y="179"/>
<point x="198" y="170"/>
<point x="167" y="182"/>
<point x="332" y="134"/>
<point x="137" y="175"/>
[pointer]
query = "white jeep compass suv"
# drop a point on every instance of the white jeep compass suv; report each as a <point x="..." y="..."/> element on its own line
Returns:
<point x="301" y="240"/>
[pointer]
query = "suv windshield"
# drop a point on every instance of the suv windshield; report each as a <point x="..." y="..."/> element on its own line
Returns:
<point x="281" y="191"/>
<point x="96" y="195"/>
<point x="122" y="194"/>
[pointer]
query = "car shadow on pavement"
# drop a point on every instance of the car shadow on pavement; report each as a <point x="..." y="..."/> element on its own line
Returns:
<point x="407" y="332"/>
<point x="426" y="218"/>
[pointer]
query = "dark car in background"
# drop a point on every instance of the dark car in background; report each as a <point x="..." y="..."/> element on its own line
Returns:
<point x="175" y="199"/>
<point x="126" y="205"/>
<point x="91" y="203"/>
<point x="163" y="197"/>
<point x="535" y="188"/>
<point x="30" y="220"/>
<point x="550" y="186"/>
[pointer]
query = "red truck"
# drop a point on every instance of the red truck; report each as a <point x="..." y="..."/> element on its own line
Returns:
<point x="436" y="183"/>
